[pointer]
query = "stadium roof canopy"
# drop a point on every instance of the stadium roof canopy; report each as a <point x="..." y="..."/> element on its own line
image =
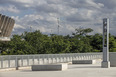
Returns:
<point x="6" y="26"/>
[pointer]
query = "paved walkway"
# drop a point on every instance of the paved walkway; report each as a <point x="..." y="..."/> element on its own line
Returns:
<point x="73" y="71"/>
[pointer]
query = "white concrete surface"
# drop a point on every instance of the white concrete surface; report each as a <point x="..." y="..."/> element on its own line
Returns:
<point x="77" y="70"/>
<point x="105" y="64"/>
<point x="50" y="67"/>
<point x="112" y="58"/>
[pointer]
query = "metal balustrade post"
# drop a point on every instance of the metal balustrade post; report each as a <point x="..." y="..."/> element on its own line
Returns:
<point x="28" y="60"/>
<point x="75" y="56"/>
<point x="69" y="57"/>
<point x="8" y="61"/>
<point x="63" y="58"/>
<point x="38" y="59"/>
<point x="33" y="59"/>
<point x="66" y="58"/>
<point x="60" y="58"/>
<point x="52" y="58"/>
<point x="48" y="59"/>
<point x="17" y="63"/>
<point x="1" y="62"/>
<point x="43" y="58"/>
<point x="22" y="61"/>
<point x="56" y="58"/>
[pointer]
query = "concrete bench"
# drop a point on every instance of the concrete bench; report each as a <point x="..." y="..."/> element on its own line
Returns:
<point x="83" y="61"/>
<point x="50" y="67"/>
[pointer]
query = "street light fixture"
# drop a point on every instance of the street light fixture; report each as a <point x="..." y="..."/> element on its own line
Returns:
<point x="105" y="62"/>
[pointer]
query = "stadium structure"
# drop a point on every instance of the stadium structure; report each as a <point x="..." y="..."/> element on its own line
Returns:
<point x="6" y="27"/>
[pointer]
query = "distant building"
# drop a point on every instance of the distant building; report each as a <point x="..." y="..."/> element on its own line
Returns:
<point x="6" y="26"/>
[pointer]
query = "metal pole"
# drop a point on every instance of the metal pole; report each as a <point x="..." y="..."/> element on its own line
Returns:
<point x="58" y="25"/>
<point x="17" y="63"/>
<point x="8" y="61"/>
<point x="105" y="62"/>
<point x="28" y="60"/>
<point x="1" y="62"/>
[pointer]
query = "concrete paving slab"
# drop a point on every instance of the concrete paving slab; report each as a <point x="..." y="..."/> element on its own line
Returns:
<point x="77" y="70"/>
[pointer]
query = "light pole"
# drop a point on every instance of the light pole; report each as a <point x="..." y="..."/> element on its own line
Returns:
<point x="105" y="62"/>
<point x="58" y="21"/>
<point x="30" y="28"/>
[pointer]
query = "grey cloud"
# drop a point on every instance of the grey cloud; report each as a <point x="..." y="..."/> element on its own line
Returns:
<point x="110" y="4"/>
<point x="77" y="18"/>
<point x="75" y="13"/>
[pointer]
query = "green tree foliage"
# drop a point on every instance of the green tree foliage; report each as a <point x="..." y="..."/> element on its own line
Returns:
<point x="112" y="44"/>
<point x="18" y="46"/>
<point x="82" y="31"/>
<point x="38" y="43"/>
<point x="81" y="41"/>
<point x="96" y="42"/>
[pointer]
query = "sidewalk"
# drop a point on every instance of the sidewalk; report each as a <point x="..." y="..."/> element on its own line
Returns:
<point x="77" y="70"/>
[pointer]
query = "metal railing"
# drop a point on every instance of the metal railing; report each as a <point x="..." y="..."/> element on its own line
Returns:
<point x="14" y="61"/>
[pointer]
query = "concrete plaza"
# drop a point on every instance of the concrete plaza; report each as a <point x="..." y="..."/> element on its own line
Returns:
<point x="75" y="70"/>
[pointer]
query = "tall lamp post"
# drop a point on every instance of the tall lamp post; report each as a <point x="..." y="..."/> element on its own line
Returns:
<point x="105" y="62"/>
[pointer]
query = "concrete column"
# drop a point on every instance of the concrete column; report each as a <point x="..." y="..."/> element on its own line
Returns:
<point x="11" y="27"/>
<point x="3" y="18"/>
<point x="105" y="62"/>
<point x="0" y="21"/>
<point x="7" y="27"/>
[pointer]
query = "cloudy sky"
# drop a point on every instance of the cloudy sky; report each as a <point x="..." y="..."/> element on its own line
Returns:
<point x="42" y="15"/>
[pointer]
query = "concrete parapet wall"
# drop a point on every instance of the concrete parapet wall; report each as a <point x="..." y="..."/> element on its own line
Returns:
<point x="12" y="61"/>
<point x="112" y="58"/>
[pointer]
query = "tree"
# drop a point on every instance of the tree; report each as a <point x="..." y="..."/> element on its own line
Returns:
<point x="96" y="42"/>
<point x="38" y="43"/>
<point x="112" y="43"/>
<point x="17" y="46"/>
<point x="82" y="31"/>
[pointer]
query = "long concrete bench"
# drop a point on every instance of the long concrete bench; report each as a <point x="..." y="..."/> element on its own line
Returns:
<point x="50" y="67"/>
<point x="83" y="61"/>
